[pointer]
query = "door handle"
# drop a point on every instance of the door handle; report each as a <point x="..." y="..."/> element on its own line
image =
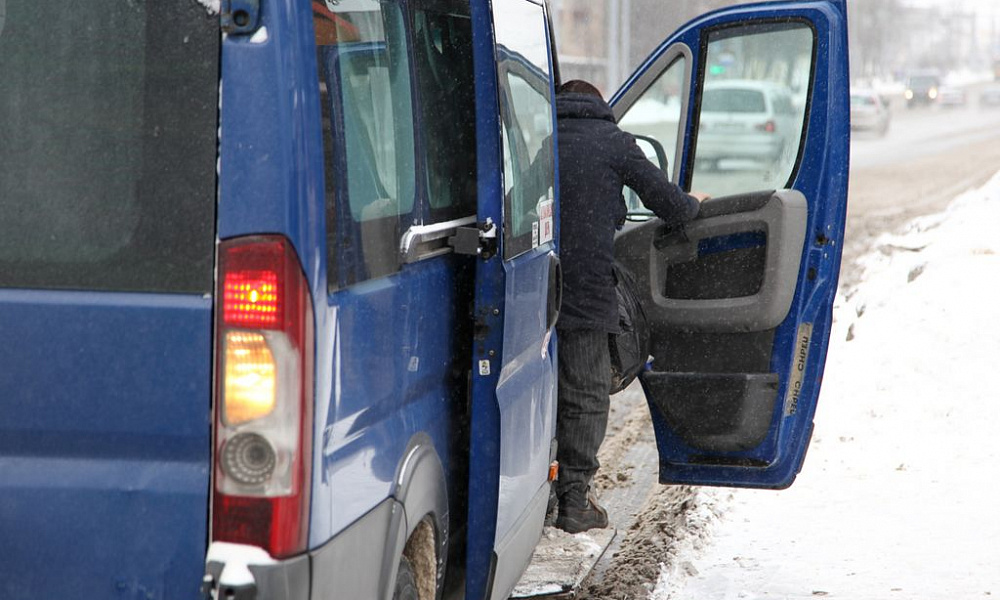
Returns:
<point x="554" y="300"/>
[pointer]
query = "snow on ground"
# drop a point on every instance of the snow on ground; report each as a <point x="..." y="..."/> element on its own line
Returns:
<point x="212" y="6"/>
<point x="898" y="496"/>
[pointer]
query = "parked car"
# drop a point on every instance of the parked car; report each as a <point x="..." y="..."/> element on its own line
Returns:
<point x="869" y="112"/>
<point x="746" y="119"/>
<point x="293" y="337"/>
<point x="922" y="88"/>
<point x="952" y="97"/>
<point x="990" y="97"/>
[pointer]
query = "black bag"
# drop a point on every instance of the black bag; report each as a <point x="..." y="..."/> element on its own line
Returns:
<point x="630" y="348"/>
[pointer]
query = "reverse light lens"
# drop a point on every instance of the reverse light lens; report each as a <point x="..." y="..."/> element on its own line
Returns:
<point x="248" y="458"/>
<point x="250" y="378"/>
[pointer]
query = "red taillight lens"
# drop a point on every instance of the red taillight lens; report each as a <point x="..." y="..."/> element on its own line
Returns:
<point x="250" y="299"/>
<point x="263" y="397"/>
<point x="278" y="525"/>
<point x="253" y="278"/>
<point x="767" y="127"/>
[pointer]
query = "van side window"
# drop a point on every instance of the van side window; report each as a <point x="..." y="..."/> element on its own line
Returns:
<point x="364" y="74"/>
<point x="442" y="50"/>
<point x="526" y="116"/>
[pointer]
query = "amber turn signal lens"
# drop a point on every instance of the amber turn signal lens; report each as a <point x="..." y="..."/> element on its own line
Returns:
<point x="250" y="373"/>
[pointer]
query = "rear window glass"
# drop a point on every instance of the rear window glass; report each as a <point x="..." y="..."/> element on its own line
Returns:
<point x="732" y="101"/>
<point x="923" y="82"/>
<point x="108" y="128"/>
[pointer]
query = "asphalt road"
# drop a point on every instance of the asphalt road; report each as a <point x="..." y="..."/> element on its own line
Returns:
<point x="930" y="156"/>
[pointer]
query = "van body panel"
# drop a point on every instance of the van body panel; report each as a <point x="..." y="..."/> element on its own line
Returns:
<point x="390" y="364"/>
<point x="270" y="151"/>
<point x="108" y="143"/>
<point x="106" y="443"/>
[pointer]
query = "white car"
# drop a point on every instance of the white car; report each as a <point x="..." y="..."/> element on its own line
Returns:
<point x="951" y="97"/>
<point x="990" y="97"/>
<point x="869" y="112"/>
<point x="744" y="119"/>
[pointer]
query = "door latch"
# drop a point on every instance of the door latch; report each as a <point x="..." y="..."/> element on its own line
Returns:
<point x="480" y="240"/>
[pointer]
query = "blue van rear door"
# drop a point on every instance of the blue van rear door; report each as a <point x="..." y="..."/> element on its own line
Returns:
<point x="108" y="128"/>
<point x="750" y="105"/>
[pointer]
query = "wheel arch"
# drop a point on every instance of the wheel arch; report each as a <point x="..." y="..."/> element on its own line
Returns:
<point x="420" y="489"/>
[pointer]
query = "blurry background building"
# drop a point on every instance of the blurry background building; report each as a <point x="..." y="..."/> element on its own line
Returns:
<point x="603" y="41"/>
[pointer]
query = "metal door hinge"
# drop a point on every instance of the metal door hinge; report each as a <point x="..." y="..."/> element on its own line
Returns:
<point x="480" y="240"/>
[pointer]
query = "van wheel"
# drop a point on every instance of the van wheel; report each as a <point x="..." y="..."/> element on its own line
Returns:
<point x="406" y="582"/>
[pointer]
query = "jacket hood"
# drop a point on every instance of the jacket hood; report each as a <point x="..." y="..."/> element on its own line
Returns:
<point x="582" y="106"/>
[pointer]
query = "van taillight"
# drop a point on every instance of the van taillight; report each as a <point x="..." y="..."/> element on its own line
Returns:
<point x="263" y="396"/>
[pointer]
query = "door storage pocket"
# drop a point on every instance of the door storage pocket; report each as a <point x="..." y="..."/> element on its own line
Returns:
<point x="714" y="412"/>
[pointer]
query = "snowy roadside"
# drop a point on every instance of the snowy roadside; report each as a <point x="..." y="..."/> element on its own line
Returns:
<point x="898" y="495"/>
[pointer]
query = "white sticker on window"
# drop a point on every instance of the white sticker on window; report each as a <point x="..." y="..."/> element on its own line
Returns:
<point x="546" y="224"/>
<point x="534" y="234"/>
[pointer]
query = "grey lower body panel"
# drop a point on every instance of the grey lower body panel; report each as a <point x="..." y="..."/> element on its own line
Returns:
<point x="287" y="579"/>
<point x="513" y="553"/>
<point x="352" y="565"/>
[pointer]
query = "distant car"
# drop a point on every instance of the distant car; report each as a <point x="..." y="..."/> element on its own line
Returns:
<point x="990" y="96"/>
<point x="922" y="88"/>
<point x="869" y="112"/>
<point x="746" y="119"/>
<point x="951" y="97"/>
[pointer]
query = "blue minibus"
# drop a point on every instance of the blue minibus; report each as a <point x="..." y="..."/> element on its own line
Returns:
<point x="278" y="296"/>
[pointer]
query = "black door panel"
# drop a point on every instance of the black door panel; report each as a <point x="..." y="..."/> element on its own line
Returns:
<point x="730" y="270"/>
<point x="715" y="292"/>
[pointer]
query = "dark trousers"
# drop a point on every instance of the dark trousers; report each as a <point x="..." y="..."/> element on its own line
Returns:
<point x="582" y="415"/>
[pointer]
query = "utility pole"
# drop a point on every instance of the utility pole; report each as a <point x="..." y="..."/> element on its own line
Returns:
<point x="554" y="14"/>
<point x="625" y="55"/>
<point x="613" y="74"/>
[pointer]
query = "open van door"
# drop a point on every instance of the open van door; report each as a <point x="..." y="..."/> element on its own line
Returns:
<point x="753" y="104"/>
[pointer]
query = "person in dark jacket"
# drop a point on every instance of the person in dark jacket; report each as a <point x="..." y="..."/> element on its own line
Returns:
<point x="596" y="159"/>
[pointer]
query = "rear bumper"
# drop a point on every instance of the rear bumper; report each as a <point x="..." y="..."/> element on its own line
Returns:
<point x="757" y="147"/>
<point x="237" y="572"/>
<point x="867" y="121"/>
<point x="359" y="562"/>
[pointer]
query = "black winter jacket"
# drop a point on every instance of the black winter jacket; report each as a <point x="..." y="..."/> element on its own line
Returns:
<point x="596" y="159"/>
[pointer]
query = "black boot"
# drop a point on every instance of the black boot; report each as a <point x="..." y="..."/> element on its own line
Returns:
<point x="580" y="512"/>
